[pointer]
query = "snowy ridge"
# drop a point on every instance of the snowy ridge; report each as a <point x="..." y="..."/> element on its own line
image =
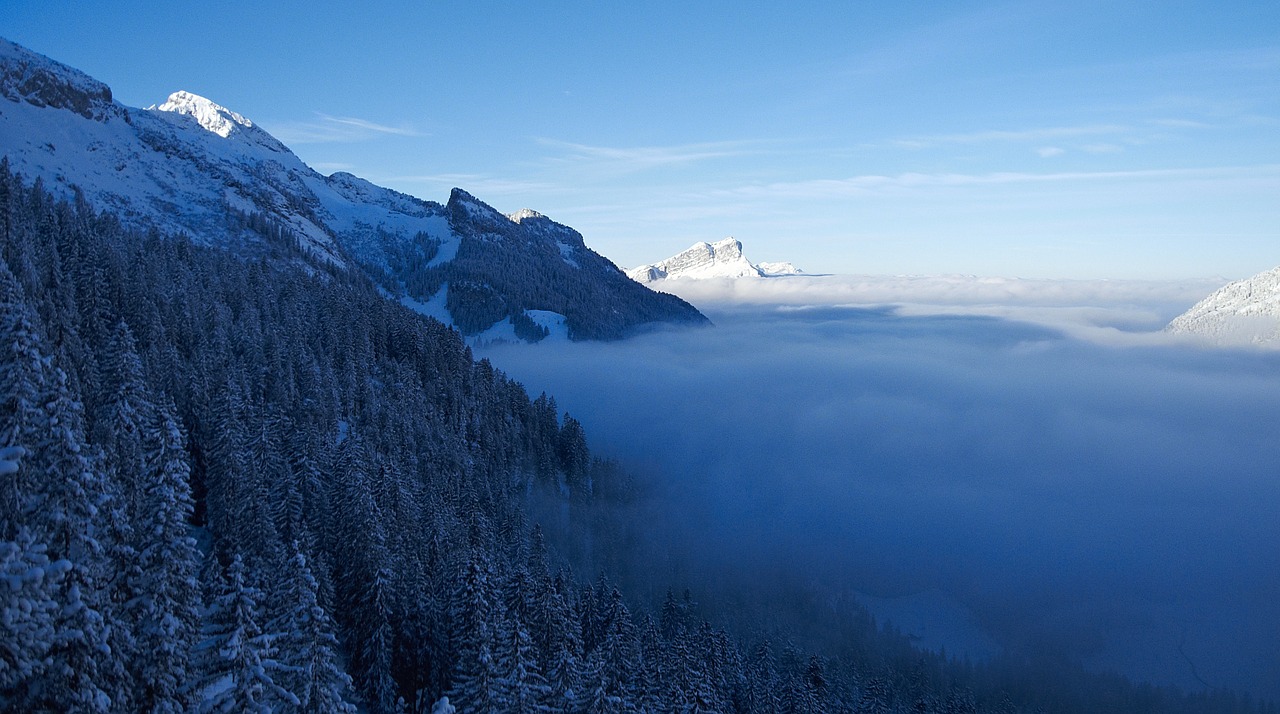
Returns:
<point x="213" y="117"/>
<point x="190" y="166"/>
<point x="780" y="268"/>
<point x="1240" y="313"/>
<point x="524" y="213"/>
<point x="722" y="259"/>
<point x="30" y="78"/>
<point x="193" y="166"/>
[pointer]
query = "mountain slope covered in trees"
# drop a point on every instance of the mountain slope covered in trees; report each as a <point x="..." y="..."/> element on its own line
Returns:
<point x="232" y="484"/>
<point x="235" y="475"/>
<point x="189" y="166"/>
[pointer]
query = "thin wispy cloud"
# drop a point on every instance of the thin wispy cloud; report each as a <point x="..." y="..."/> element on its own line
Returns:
<point x="870" y="184"/>
<point x="639" y="158"/>
<point x="1048" y="152"/>
<point x="1175" y="123"/>
<point x="326" y="129"/>
<point x="1011" y="136"/>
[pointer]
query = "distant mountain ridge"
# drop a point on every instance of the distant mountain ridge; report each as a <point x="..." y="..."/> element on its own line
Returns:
<point x="1243" y="312"/>
<point x="722" y="259"/>
<point x="194" y="167"/>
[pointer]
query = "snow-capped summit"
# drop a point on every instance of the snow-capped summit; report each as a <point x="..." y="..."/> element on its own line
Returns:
<point x="524" y="213"/>
<point x="723" y="259"/>
<point x="1244" y="312"/>
<point x="217" y="119"/>
<point x="192" y="167"/>
<point x="780" y="268"/>
<point x="214" y="117"/>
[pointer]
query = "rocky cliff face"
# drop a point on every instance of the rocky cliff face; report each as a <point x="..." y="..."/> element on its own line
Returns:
<point x="722" y="259"/>
<point x="33" y="79"/>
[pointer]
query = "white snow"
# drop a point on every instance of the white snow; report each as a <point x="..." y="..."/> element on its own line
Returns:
<point x="504" y="332"/>
<point x="782" y="268"/>
<point x="557" y="325"/>
<point x="499" y="332"/>
<point x="439" y="229"/>
<point x="213" y="117"/>
<point x="32" y="78"/>
<point x="161" y="170"/>
<point x="522" y="214"/>
<point x="434" y="307"/>
<point x="567" y="253"/>
<point x="1246" y="312"/>
<point x="706" y="261"/>
<point x="178" y="166"/>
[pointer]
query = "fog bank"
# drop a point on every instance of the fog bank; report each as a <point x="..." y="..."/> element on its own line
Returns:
<point x="1117" y="504"/>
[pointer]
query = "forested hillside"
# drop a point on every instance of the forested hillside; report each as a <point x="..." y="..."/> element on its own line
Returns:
<point x="258" y="485"/>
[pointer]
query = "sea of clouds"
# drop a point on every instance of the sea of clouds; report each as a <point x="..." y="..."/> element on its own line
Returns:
<point x="1034" y="453"/>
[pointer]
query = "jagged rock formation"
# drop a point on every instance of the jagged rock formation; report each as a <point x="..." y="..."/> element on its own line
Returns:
<point x="723" y="259"/>
<point x="190" y="166"/>
<point x="1244" y="312"/>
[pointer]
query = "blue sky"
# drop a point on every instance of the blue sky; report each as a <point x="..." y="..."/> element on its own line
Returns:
<point x="1034" y="139"/>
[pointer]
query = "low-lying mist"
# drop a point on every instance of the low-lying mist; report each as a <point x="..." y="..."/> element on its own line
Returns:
<point x="1119" y="505"/>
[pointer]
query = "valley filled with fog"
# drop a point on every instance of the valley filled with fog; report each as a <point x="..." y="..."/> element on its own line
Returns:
<point x="993" y="483"/>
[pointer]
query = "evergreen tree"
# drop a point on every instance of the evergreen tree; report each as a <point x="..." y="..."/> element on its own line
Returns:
<point x="22" y="380"/>
<point x="235" y="656"/>
<point x="308" y="648"/>
<point x="477" y="678"/>
<point x="166" y="608"/>
<point x="125" y="413"/>
<point x="27" y="605"/>
<point x="66" y="514"/>
<point x="524" y="689"/>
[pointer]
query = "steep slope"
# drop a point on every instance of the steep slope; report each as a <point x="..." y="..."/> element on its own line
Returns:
<point x="191" y="166"/>
<point x="1244" y="312"/>
<point x="722" y="259"/>
<point x="501" y="268"/>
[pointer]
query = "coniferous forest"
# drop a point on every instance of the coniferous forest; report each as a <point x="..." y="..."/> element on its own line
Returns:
<point x="251" y="483"/>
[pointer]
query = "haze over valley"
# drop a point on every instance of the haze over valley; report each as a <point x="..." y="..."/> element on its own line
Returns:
<point x="581" y="358"/>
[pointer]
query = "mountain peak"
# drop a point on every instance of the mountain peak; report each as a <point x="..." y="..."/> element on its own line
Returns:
<point x="209" y="115"/>
<point x="523" y="214"/>
<point x="728" y="248"/>
<point x="193" y="167"/>
<point x="722" y="259"/>
<point x="468" y="207"/>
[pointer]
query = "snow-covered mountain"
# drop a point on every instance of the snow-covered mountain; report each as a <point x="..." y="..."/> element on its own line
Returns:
<point x="779" y="268"/>
<point x="723" y="259"/>
<point x="189" y="166"/>
<point x="1244" y="312"/>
